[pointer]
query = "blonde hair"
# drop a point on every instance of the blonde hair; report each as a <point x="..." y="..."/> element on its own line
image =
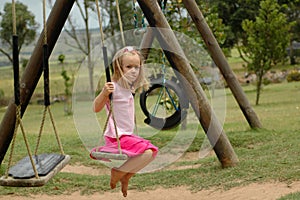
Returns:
<point x="118" y="76"/>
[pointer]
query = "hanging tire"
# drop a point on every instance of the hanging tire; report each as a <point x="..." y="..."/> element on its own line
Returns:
<point x="176" y="116"/>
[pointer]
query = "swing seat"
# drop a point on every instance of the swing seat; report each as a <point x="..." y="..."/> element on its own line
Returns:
<point x="99" y="155"/>
<point x="22" y="174"/>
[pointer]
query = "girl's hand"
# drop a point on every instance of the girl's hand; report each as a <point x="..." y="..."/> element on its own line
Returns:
<point x="108" y="88"/>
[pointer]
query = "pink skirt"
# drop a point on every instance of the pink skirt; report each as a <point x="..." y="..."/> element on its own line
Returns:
<point x="131" y="145"/>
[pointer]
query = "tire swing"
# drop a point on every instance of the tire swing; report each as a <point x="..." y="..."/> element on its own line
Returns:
<point x="171" y="97"/>
<point x="100" y="155"/>
<point x="170" y="106"/>
<point x="37" y="170"/>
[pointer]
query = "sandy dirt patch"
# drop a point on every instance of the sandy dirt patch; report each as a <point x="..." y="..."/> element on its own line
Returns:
<point x="265" y="191"/>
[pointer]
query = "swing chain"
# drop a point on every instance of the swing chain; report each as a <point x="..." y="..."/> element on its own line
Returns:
<point x="142" y="29"/>
<point x="135" y="16"/>
<point x="163" y="5"/>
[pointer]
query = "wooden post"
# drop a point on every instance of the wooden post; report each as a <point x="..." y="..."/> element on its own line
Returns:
<point x="190" y="83"/>
<point x="220" y="60"/>
<point x="33" y="71"/>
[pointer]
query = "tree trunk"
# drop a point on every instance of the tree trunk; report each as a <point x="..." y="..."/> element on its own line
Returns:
<point x="191" y="85"/>
<point x="33" y="71"/>
<point x="258" y="85"/>
<point x="220" y="60"/>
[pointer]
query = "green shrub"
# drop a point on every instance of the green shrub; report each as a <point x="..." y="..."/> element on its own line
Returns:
<point x="293" y="76"/>
<point x="61" y="58"/>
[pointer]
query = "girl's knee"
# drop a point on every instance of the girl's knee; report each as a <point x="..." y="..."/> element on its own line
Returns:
<point x="148" y="153"/>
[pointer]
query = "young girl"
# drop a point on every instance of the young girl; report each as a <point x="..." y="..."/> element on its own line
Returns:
<point x="127" y="77"/>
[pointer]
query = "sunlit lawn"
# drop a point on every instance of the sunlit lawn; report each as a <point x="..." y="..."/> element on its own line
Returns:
<point x="270" y="154"/>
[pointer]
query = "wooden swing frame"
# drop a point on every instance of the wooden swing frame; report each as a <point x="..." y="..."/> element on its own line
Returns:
<point x="222" y="148"/>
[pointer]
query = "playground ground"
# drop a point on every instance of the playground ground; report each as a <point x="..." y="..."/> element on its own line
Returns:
<point x="253" y="191"/>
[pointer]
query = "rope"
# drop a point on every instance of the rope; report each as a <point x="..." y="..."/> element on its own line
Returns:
<point x="45" y="77"/>
<point x="120" y="22"/>
<point x="110" y="113"/>
<point x="27" y="147"/>
<point x="55" y="131"/>
<point x="46" y="90"/>
<point x="100" y="22"/>
<point x="119" y="19"/>
<point x="13" y="143"/>
<point x="41" y="130"/>
<point x="13" y="6"/>
<point x="17" y="100"/>
<point x="44" y="22"/>
<point x="19" y="123"/>
<point x="47" y="108"/>
<point x="115" y="125"/>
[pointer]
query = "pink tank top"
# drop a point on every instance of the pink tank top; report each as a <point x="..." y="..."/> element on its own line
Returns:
<point x="123" y="108"/>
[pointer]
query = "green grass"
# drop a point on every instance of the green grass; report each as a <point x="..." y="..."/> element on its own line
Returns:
<point x="266" y="155"/>
<point x="293" y="196"/>
<point x="56" y="83"/>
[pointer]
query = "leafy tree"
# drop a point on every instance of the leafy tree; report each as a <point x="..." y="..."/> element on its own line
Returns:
<point x="268" y="37"/>
<point x="180" y="20"/>
<point x="26" y="28"/>
<point x="233" y="12"/>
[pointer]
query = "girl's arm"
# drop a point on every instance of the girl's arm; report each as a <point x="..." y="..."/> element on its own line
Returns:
<point x="103" y="97"/>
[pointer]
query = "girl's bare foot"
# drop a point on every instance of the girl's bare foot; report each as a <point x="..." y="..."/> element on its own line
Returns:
<point x="115" y="177"/>
<point x="125" y="181"/>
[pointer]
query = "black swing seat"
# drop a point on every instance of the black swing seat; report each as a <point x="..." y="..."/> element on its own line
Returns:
<point x="100" y="155"/>
<point x="22" y="174"/>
